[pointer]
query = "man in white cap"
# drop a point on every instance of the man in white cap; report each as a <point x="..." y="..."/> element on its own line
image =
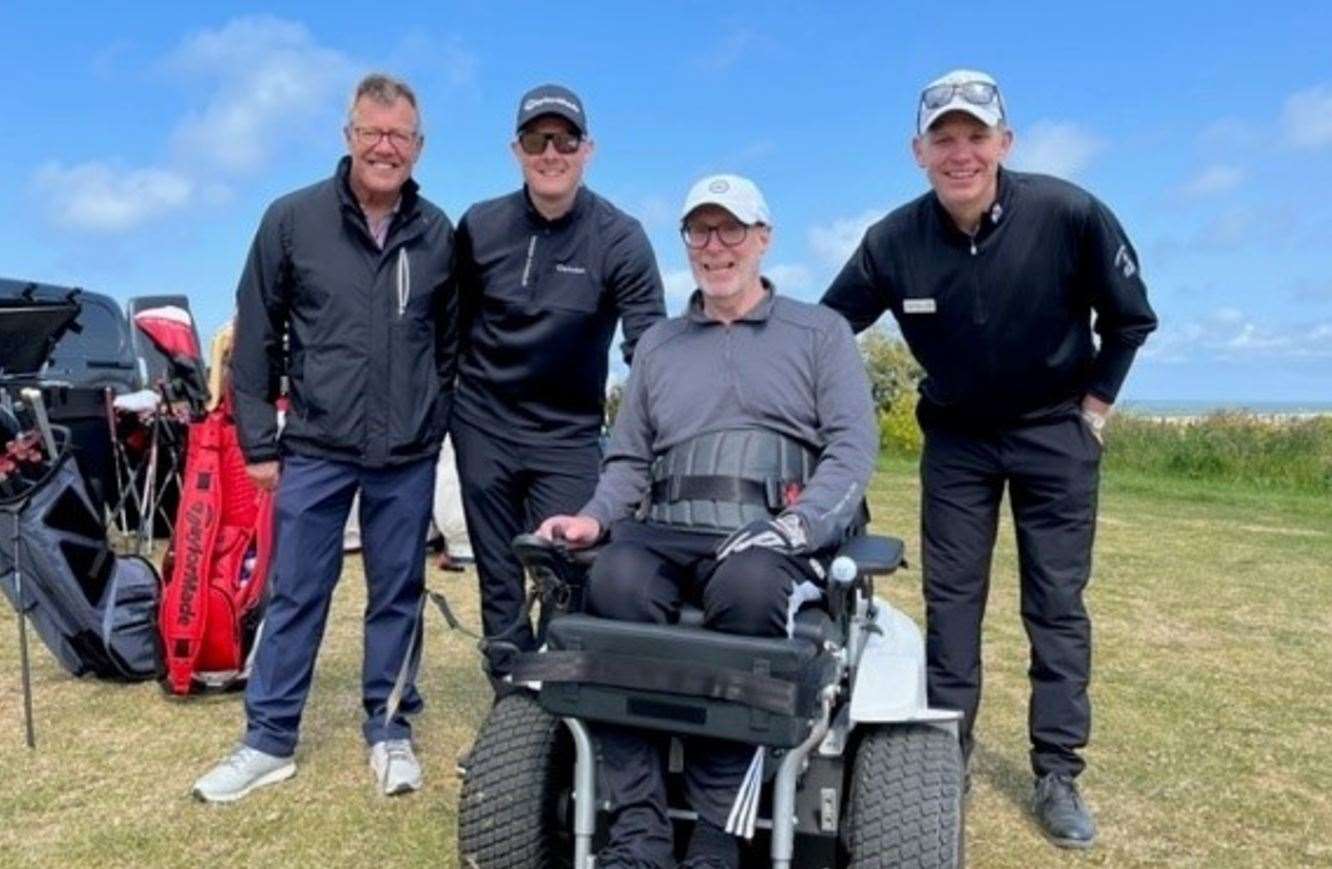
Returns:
<point x="994" y="277"/>
<point x="746" y="438"/>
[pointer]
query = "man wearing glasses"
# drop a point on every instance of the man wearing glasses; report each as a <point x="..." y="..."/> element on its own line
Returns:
<point x="747" y="388"/>
<point x="995" y="278"/>
<point x="348" y="292"/>
<point x="544" y="275"/>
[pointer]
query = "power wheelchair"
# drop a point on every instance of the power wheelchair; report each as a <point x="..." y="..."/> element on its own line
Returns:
<point x="861" y="771"/>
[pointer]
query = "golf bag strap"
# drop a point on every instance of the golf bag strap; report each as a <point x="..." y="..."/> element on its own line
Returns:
<point x="695" y="680"/>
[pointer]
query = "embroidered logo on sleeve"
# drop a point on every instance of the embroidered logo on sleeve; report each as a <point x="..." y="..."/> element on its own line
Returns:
<point x="1124" y="262"/>
<point x="918" y="306"/>
<point x="570" y="270"/>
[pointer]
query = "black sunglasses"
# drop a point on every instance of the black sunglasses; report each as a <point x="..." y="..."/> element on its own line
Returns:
<point x="535" y="143"/>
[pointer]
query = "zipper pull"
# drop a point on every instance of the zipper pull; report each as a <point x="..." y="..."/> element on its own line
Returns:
<point x="973" y="245"/>
<point x="404" y="280"/>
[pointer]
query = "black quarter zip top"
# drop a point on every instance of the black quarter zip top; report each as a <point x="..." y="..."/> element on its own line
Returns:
<point x="1002" y="321"/>
<point x="539" y="301"/>
<point x="366" y="335"/>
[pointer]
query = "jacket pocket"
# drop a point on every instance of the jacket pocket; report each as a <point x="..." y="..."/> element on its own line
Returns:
<point x="565" y="289"/>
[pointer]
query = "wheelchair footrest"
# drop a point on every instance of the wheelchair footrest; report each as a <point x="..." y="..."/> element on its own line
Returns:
<point x="680" y="679"/>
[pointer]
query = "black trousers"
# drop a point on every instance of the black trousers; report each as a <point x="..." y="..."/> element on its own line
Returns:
<point x="507" y="490"/>
<point x="645" y="574"/>
<point x="1051" y="468"/>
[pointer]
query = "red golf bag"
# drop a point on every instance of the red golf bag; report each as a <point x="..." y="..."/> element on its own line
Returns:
<point x="212" y="605"/>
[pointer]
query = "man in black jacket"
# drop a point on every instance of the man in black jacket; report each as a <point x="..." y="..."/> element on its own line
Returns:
<point x="349" y="292"/>
<point x="544" y="275"/>
<point x="994" y="277"/>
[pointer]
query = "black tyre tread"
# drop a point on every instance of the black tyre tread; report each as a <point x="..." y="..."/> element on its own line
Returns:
<point x="906" y="799"/>
<point x="507" y="809"/>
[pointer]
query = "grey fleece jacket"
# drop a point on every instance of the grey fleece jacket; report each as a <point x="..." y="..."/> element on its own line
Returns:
<point x="787" y="366"/>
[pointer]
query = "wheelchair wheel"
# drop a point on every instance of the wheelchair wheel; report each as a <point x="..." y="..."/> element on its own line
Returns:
<point x="515" y="808"/>
<point x="906" y="799"/>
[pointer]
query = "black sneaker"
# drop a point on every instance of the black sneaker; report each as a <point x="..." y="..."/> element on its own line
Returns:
<point x="711" y="847"/>
<point x="1063" y="816"/>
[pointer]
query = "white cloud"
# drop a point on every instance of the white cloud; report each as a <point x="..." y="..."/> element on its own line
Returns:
<point x="729" y="52"/>
<point x="1307" y="117"/>
<point x="1059" y="148"/>
<point x="270" y="85"/>
<point x="834" y="243"/>
<point x="1230" y="134"/>
<point x="1217" y="178"/>
<point x="791" y="279"/>
<point x="679" y="284"/>
<point x="99" y="197"/>
<point x="271" y="76"/>
<point x="1229" y="334"/>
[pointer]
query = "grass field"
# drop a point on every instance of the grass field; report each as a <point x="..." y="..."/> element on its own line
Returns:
<point x="1212" y="743"/>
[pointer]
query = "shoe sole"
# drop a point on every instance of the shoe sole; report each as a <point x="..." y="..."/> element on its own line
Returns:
<point x="280" y="774"/>
<point x="1072" y="844"/>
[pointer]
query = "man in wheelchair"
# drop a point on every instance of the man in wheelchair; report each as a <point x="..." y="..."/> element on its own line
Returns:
<point x="738" y="463"/>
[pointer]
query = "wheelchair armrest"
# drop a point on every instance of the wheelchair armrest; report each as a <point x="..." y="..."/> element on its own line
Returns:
<point x="875" y="555"/>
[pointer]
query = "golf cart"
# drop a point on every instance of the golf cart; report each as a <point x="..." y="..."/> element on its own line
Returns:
<point x="859" y="771"/>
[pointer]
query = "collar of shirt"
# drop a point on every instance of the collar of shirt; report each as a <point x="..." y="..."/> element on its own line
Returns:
<point x="379" y="226"/>
<point x="581" y="199"/>
<point x="990" y="219"/>
<point x="757" y="314"/>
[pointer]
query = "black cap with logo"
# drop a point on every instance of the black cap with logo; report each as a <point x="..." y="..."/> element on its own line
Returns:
<point x="552" y="99"/>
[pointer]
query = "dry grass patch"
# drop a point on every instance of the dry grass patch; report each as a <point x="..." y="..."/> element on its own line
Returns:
<point x="1210" y="746"/>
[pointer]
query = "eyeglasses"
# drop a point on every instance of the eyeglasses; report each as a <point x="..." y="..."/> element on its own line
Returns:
<point x="369" y="137"/>
<point x="978" y="93"/>
<point x="534" y="143"/>
<point x="730" y="234"/>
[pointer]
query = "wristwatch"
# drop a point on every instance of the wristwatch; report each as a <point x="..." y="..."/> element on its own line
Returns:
<point x="1096" y="421"/>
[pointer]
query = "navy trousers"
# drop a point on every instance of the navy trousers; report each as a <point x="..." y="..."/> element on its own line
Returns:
<point x="1051" y="469"/>
<point x="313" y="500"/>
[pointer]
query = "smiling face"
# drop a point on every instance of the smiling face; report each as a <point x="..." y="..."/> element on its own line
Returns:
<point x="727" y="275"/>
<point x="380" y="166"/>
<point x="961" y="157"/>
<point x="552" y="178"/>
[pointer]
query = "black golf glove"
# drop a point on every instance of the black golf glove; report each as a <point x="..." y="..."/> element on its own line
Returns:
<point x="785" y="534"/>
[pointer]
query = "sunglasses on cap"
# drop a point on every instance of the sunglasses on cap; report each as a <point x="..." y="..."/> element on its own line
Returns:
<point x="978" y="93"/>
<point x="534" y="143"/>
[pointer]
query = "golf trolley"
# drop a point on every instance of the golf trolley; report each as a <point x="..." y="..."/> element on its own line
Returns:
<point x="859" y="770"/>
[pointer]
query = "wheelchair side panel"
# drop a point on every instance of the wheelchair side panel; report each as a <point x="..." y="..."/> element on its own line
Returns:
<point x="890" y="674"/>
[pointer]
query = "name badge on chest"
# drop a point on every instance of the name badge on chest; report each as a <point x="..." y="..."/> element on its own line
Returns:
<point x="918" y="306"/>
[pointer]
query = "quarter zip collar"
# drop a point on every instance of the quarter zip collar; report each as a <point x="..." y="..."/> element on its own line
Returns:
<point x="537" y="219"/>
<point x="407" y="200"/>
<point x="757" y="314"/>
<point x="998" y="211"/>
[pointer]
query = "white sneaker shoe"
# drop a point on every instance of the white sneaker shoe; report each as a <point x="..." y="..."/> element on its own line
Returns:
<point x="244" y="770"/>
<point x="395" y="767"/>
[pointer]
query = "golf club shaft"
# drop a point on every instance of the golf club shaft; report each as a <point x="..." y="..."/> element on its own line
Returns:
<point x="24" y="669"/>
<point x="34" y="399"/>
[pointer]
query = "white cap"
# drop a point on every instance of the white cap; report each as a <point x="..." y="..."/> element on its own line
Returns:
<point x="740" y="196"/>
<point x="988" y="114"/>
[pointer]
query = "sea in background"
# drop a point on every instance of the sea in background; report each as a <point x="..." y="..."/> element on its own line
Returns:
<point x="1188" y="409"/>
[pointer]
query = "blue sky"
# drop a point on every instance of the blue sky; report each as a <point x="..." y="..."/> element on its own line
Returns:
<point x="152" y="135"/>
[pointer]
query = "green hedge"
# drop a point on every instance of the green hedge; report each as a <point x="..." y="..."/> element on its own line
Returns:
<point x="1224" y="447"/>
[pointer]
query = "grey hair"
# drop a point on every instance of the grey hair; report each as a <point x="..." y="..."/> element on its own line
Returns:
<point x="385" y="90"/>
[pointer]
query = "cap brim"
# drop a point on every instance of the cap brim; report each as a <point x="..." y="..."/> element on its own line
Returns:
<point x="748" y="216"/>
<point x="985" y="114"/>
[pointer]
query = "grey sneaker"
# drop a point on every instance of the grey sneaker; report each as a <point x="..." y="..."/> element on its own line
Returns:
<point x="244" y="770"/>
<point x="395" y="767"/>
